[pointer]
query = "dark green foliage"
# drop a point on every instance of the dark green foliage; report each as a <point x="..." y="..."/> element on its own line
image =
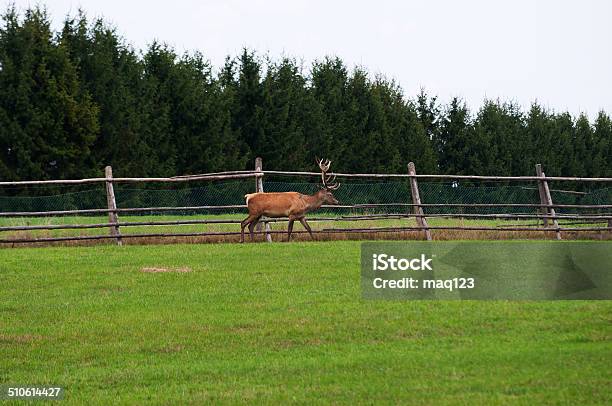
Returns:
<point x="602" y="146"/>
<point x="48" y="122"/>
<point x="111" y="73"/>
<point x="75" y="101"/>
<point x="455" y="141"/>
<point x="498" y="137"/>
<point x="285" y="116"/>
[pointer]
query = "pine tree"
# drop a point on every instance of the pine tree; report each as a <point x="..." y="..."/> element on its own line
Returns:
<point x="407" y="140"/>
<point x="539" y="125"/>
<point x="237" y="153"/>
<point x="110" y="71"/>
<point x="361" y="135"/>
<point x="284" y="115"/>
<point x="247" y="112"/>
<point x="51" y="123"/>
<point x="329" y="82"/>
<point x="584" y="147"/>
<point x="429" y="113"/>
<point x="562" y="148"/>
<point x="500" y="126"/>
<point x="156" y="108"/>
<point x="455" y="140"/>
<point x="602" y="151"/>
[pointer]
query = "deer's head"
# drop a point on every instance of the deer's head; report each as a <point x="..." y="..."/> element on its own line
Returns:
<point x="328" y="183"/>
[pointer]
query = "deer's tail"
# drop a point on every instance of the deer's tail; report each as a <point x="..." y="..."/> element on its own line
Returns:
<point x="248" y="197"/>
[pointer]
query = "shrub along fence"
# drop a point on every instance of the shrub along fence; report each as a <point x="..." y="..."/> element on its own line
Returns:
<point x="363" y="197"/>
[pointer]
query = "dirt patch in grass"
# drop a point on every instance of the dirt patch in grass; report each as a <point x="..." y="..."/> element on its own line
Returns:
<point x="291" y="343"/>
<point x="19" y="338"/>
<point x="243" y="328"/>
<point x="170" y="349"/>
<point x="110" y="290"/>
<point x="162" y="270"/>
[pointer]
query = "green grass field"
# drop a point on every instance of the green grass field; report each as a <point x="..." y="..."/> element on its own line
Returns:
<point x="272" y="323"/>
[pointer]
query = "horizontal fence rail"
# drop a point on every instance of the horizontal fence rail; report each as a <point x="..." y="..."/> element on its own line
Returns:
<point x="253" y="174"/>
<point x="243" y="206"/>
<point x="117" y="210"/>
<point x="451" y="177"/>
<point x="285" y="219"/>
<point x="133" y="180"/>
<point x="373" y="230"/>
<point x="547" y="215"/>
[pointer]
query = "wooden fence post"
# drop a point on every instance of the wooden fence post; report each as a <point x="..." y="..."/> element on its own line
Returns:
<point x="552" y="210"/>
<point x="112" y="205"/>
<point x="259" y="189"/>
<point x="543" y="200"/>
<point x="416" y="200"/>
<point x="546" y="199"/>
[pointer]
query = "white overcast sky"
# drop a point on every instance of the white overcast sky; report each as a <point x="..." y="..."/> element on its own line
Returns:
<point x="556" y="52"/>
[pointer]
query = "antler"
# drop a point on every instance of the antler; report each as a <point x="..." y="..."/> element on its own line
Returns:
<point x="328" y="180"/>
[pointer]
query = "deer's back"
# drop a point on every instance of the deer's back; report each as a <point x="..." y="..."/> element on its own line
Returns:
<point x="276" y="204"/>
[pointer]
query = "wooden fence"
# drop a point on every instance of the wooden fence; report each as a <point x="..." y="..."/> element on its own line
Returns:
<point x="546" y="209"/>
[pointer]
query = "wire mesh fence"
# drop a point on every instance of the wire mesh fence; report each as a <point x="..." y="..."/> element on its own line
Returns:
<point x="215" y="208"/>
<point x="388" y="196"/>
<point x="93" y="198"/>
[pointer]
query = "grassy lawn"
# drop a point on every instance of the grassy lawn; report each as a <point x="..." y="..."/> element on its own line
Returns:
<point x="271" y="323"/>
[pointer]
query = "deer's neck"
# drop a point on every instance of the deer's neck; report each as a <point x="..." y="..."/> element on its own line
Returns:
<point x="313" y="201"/>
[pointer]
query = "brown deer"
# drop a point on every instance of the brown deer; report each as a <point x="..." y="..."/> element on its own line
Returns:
<point x="290" y="204"/>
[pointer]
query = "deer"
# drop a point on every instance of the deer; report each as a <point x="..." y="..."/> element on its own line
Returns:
<point x="293" y="205"/>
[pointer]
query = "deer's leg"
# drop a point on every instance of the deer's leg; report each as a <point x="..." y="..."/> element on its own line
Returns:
<point x="292" y="218"/>
<point x="252" y="226"/>
<point x="290" y="229"/>
<point x="244" y="223"/>
<point x="306" y="226"/>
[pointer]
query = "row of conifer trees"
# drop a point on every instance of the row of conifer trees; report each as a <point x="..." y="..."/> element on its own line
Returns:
<point x="77" y="99"/>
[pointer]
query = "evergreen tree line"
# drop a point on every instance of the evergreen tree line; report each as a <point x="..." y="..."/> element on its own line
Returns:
<point x="74" y="101"/>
